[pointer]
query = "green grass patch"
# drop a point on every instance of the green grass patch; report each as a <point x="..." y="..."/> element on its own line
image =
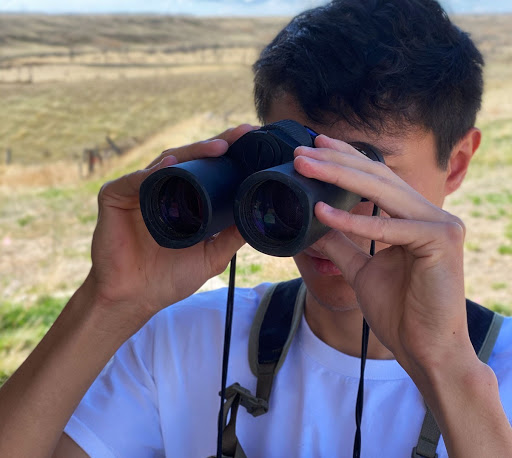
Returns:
<point x="496" y="146"/>
<point x="501" y="308"/>
<point x="498" y="286"/>
<point x="250" y="269"/>
<point x="246" y="275"/>
<point x="93" y="186"/>
<point x="505" y="249"/>
<point x="43" y="313"/>
<point x="25" y="220"/>
<point x="3" y="377"/>
<point x="508" y="231"/>
<point x="472" y="246"/>
<point x="86" y="219"/>
<point x="498" y="198"/>
<point x="57" y="193"/>
<point x="475" y="200"/>
<point x="21" y="329"/>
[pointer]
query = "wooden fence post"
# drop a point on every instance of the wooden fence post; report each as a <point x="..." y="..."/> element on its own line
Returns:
<point x="116" y="148"/>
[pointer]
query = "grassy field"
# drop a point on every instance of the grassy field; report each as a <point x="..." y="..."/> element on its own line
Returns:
<point x="150" y="83"/>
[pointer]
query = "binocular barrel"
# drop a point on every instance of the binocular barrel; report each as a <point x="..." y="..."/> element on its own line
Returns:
<point x="186" y="203"/>
<point x="274" y="209"/>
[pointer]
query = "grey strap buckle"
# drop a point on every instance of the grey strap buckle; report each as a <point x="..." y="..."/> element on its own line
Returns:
<point x="255" y="406"/>
<point x="415" y="454"/>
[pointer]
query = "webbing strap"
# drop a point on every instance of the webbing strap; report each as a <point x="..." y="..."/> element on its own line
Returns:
<point x="429" y="438"/>
<point x="264" y="385"/>
<point x="276" y="321"/>
<point x="231" y="447"/>
<point x="484" y="327"/>
<point x="492" y="335"/>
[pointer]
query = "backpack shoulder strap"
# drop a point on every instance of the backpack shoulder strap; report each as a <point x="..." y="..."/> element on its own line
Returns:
<point x="484" y="326"/>
<point x="274" y="326"/>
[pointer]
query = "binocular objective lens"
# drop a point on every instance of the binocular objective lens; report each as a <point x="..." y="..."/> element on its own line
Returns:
<point x="181" y="209"/>
<point x="276" y="211"/>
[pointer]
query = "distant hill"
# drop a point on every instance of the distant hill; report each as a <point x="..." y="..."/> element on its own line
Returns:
<point x="28" y="34"/>
<point x="37" y="33"/>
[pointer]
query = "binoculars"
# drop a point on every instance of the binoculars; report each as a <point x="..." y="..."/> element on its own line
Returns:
<point x="253" y="185"/>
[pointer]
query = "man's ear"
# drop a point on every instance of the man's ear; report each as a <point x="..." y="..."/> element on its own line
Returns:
<point x="460" y="157"/>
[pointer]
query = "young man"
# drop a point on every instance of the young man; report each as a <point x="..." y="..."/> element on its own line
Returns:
<point x="392" y="73"/>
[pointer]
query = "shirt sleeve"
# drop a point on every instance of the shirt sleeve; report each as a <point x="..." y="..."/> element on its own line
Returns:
<point x="118" y="416"/>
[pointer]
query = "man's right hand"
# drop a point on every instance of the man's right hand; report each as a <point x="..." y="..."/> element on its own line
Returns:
<point x="130" y="270"/>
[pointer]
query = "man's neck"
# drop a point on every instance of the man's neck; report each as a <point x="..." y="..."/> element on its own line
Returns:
<point x="341" y="329"/>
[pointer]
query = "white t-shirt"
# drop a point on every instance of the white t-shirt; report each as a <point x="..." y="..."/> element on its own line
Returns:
<point x="159" y="395"/>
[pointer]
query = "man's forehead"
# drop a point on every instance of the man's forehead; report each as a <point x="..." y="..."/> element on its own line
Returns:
<point x="391" y="141"/>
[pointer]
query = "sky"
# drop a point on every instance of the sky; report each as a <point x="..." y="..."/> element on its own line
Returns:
<point x="216" y="7"/>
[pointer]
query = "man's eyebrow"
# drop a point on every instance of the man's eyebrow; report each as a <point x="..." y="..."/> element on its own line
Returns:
<point x="386" y="152"/>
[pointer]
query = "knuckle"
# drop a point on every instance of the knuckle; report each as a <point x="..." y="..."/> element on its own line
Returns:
<point x="382" y="227"/>
<point x="339" y="181"/>
<point x="307" y="168"/>
<point x="454" y="232"/>
<point x="239" y="131"/>
<point x="227" y="134"/>
<point x="383" y="183"/>
<point x="245" y="126"/>
<point x="167" y="152"/>
<point x="164" y="154"/>
<point x="223" y="133"/>
<point x="102" y="192"/>
<point x="458" y="221"/>
<point x="381" y="168"/>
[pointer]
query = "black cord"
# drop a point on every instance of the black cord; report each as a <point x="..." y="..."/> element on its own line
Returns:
<point x="225" y="355"/>
<point x="364" y="352"/>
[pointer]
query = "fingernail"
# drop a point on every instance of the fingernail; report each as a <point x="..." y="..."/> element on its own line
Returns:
<point x="325" y="207"/>
<point x="306" y="159"/>
<point x="216" y="140"/>
<point x="169" y="160"/>
<point x="298" y="152"/>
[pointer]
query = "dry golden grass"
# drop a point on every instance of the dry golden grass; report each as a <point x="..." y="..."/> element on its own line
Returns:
<point x="49" y="121"/>
<point x="30" y="35"/>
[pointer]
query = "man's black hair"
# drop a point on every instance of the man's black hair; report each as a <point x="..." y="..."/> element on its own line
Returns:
<point x="377" y="64"/>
